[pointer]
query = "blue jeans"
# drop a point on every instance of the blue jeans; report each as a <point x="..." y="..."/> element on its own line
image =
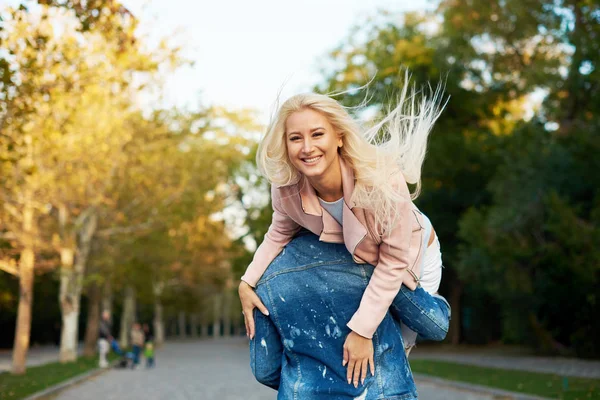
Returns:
<point x="426" y="314"/>
<point x="136" y="354"/>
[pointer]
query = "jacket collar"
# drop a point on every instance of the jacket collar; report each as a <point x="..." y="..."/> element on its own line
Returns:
<point x="308" y="196"/>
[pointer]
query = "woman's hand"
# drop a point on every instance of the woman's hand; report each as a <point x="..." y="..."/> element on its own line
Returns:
<point x="358" y="354"/>
<point x="250" y="300"/>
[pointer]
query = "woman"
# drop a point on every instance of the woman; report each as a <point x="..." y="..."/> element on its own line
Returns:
<point x="349" y="187"/>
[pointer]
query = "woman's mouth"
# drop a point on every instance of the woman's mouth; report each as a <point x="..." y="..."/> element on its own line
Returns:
<point x="312" y="160"/>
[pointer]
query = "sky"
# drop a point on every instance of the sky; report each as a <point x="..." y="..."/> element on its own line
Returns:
<point x="244" y="51"/>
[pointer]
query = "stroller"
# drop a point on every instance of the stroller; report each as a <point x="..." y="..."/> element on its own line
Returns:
<point x="126" y="360"/>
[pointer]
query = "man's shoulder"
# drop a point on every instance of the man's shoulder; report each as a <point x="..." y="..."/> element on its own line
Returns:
<point x="306" y="250"/>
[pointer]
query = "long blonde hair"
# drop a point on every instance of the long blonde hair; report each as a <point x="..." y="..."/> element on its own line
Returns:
<point x="397" y="144"/>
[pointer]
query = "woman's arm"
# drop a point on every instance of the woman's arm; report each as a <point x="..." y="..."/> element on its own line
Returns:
<point x="282" y="230"/>
<point x="280" y="233"/>
<point x="391" y="271"/>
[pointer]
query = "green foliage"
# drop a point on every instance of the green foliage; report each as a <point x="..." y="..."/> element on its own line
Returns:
<point x="36" y="379"/>
<point x="545" y="385"/>
<point x="535" y="246"/>
<point x="514" y="203"/>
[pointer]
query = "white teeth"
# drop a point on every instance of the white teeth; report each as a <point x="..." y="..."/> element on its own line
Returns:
<point x="309" y="160"/>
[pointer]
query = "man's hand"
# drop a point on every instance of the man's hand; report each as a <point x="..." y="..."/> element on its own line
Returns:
<point x="250" y="300"/>
<point x="358" y="354"/>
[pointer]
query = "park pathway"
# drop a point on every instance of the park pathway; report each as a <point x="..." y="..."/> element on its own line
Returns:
<point x="551" y="365"/>
<point x="204" y="370"/>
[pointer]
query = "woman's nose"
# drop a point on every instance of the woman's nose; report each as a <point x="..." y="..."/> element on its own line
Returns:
<point x="307" y="145"/>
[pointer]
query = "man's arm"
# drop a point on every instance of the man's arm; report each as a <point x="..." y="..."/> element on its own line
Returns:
<point x="266" y="351"/>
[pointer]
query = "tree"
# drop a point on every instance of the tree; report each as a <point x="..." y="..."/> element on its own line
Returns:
<point x="50" y="117"/>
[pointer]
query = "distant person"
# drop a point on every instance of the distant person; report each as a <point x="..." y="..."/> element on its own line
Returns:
<point x="137" y="341"/>
<point x="149" y="346"/>
<point x="105" y="338"/>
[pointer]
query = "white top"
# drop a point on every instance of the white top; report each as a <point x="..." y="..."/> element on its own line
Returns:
<point x="335" y="208"/>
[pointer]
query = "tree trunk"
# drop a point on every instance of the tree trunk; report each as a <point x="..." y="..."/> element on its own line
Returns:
<point x="181" y="324"/>
<point x="217" y="315"/>
<point x="71" y="281"/>
<point x="159" y="323"/>
<point x="26" y="276"/>
<point x="93" y="320"/>
<point x="227" y="312"/>
<point x="455" y="322"/>
<point x="194" y="325"/>
<point x="205" y="320"/>
<point x="23" y="328"/>
<point x="204" y="329"/>
<point x="128" y="316"/>
<point x="237" y="322"/>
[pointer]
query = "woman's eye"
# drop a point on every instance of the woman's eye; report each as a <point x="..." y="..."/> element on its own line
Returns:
<point x="316" y="134"/>
<point x="294" y="138"/>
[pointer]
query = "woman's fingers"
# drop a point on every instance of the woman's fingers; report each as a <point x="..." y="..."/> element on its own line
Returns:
<point x="350" y="370"/>
<point x="346" y="356"/>
<point x="246" y="325"/>
<point x="250" y="321"/>
<point x="364" y="371"/>
<point x="357" y="368"/>
<point x="372" y="364"/>
<point x="258" y="304"/>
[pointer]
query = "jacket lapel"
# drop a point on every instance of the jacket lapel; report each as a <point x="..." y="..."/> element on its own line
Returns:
<point x="354" y="230"/>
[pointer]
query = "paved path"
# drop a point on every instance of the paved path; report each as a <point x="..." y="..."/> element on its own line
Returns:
<point x="204" y="370"/>
<point x="553" y="365"/>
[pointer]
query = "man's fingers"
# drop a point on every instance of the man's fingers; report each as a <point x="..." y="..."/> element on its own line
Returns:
<point x="364" y="371"/>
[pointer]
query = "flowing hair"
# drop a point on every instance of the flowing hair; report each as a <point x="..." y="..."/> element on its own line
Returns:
<point x="394" y="146"/>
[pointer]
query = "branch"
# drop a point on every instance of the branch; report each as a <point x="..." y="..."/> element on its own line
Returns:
<point x="121" y="230"/>
<point x="9" y="266"/>
<point x="8" y="236"/>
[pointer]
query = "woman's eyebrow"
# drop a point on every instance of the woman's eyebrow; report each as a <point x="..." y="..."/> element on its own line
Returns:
<point x="312" y="130"/>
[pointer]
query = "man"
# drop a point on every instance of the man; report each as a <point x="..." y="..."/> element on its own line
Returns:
<point x="311" y="291"/>
<point x="104" y="338"/>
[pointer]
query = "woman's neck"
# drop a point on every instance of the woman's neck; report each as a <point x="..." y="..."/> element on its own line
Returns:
<point x="329" y="186"/>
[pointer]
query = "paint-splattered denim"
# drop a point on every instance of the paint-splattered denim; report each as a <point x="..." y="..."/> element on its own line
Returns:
<point x="311" y="290"/>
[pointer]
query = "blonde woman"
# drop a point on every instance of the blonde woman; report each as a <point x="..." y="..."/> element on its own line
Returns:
<point x="349" y="186"/>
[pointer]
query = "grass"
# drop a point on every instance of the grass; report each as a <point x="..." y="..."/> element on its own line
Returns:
<point x="545" y="385"/>
<point x="41" y="377"/>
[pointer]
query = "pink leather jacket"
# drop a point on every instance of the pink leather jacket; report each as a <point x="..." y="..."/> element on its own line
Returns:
<point x="395" y="255"/>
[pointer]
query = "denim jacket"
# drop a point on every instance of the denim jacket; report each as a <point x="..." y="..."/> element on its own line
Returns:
<point x="311" y="290"/>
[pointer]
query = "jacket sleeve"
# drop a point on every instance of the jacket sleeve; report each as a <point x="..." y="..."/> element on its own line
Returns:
<point x="282" y="230"/>
<point x="389" y="273"/>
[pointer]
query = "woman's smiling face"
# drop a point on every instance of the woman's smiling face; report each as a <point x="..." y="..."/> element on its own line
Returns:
<point x="312" y="143"/>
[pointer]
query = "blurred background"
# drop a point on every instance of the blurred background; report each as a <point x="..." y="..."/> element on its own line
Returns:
<point x="127" y="139"/>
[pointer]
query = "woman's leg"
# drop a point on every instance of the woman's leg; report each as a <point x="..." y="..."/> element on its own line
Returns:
<point x="425" y="314"/>
<point x="423" y="311"/>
